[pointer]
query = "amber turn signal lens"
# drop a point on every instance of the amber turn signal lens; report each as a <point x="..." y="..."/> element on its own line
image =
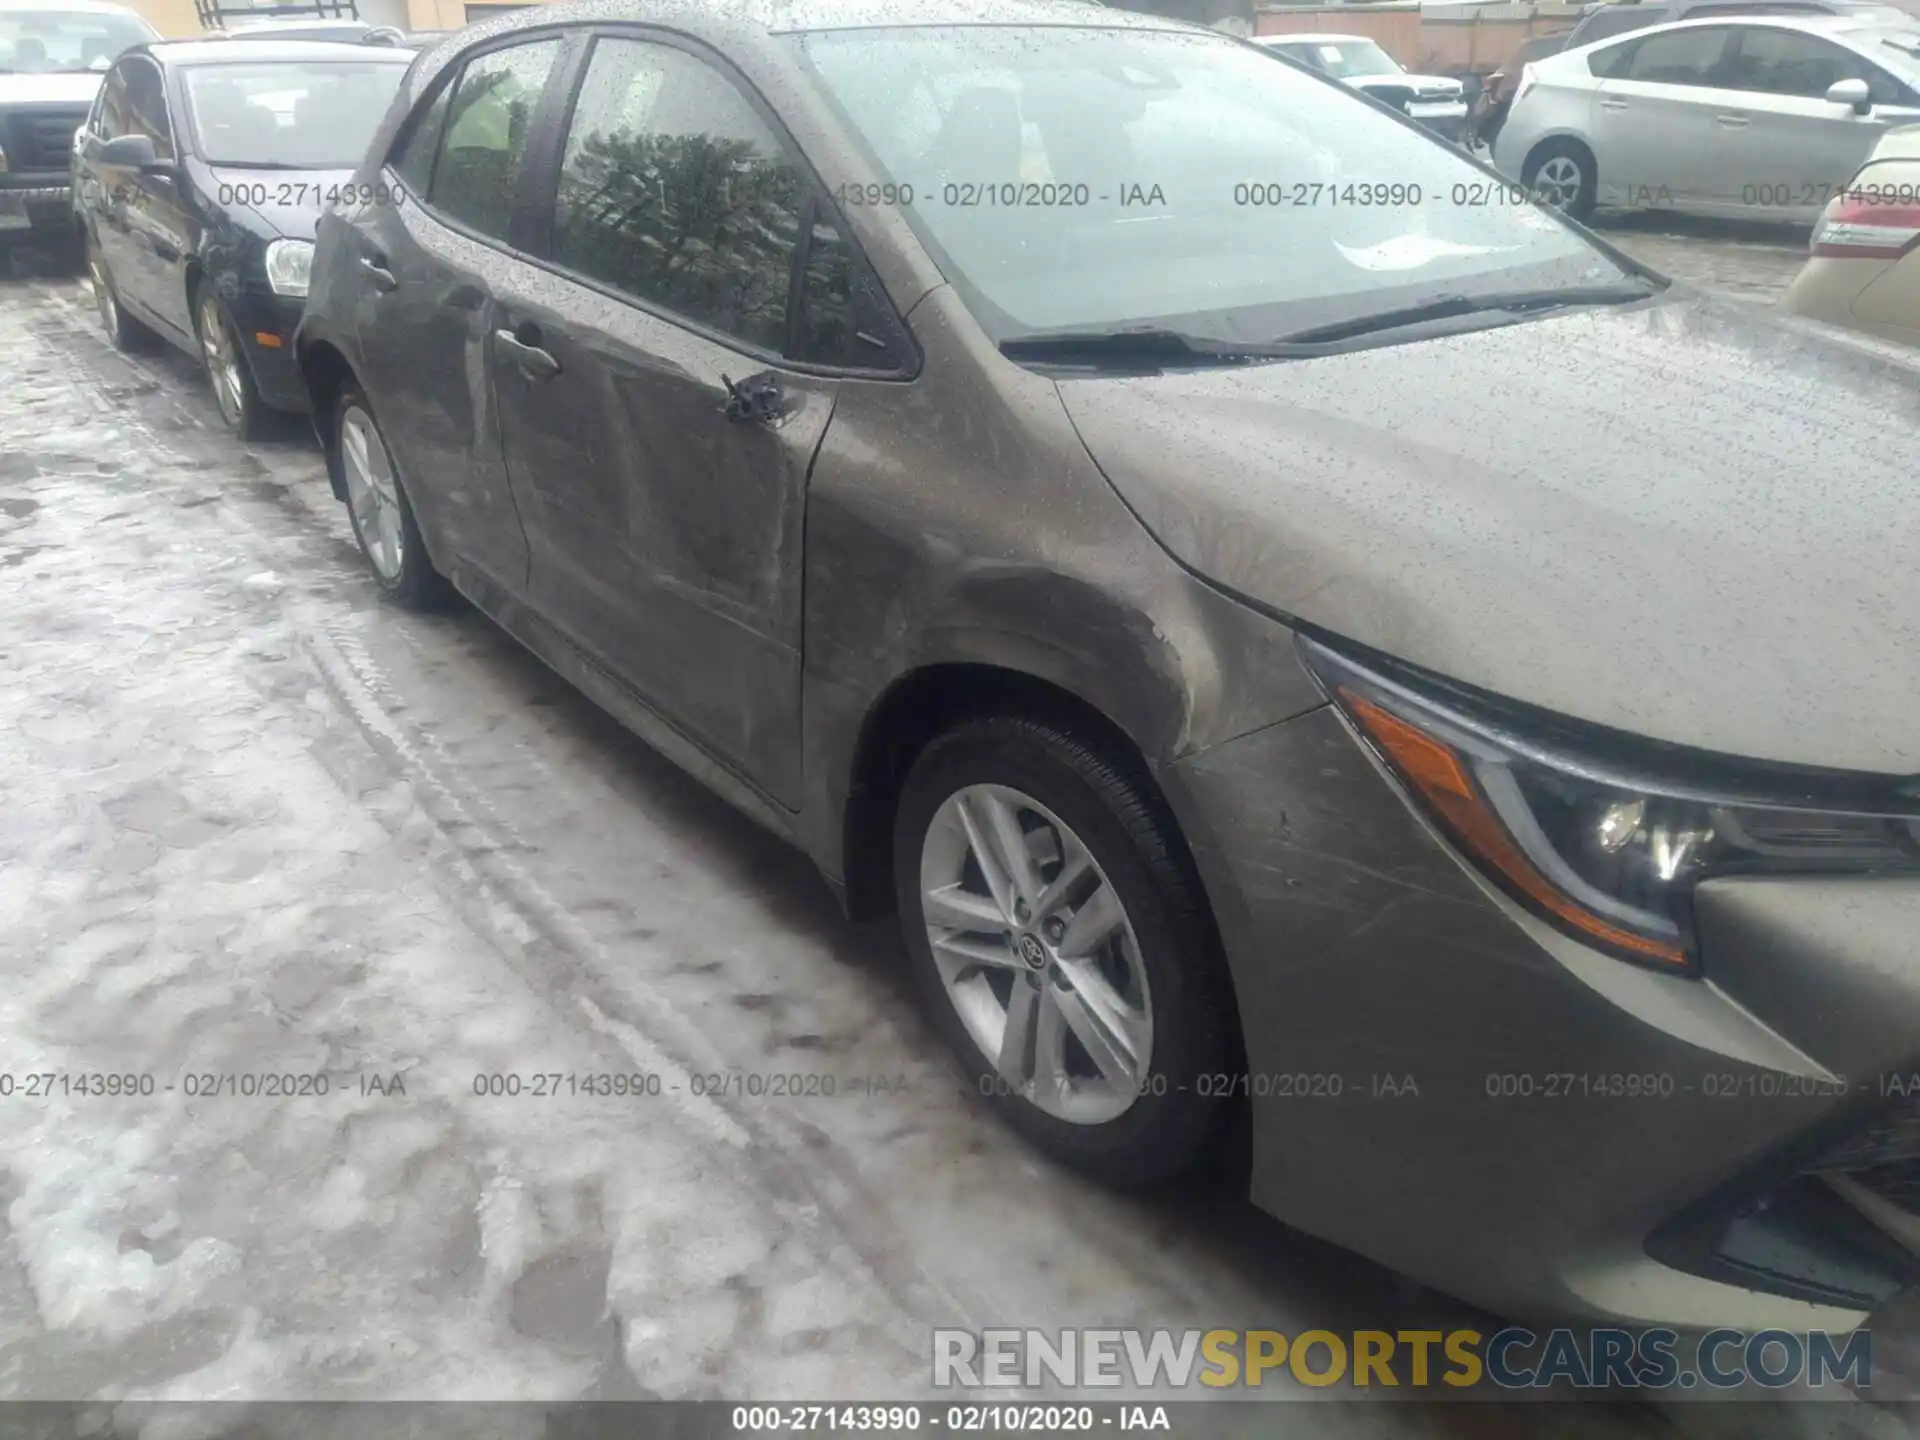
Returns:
<point x="1443" y="781"/>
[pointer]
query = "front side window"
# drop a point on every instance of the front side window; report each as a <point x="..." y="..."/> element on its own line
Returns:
<point x="1679" y="57"/>
<point x="1077" y="178"/>
<point x="484" y="145"/>
<point x="674" y="191"/>
<point x="290" y="114"/>
<point x="110" y="120"/>
<point x="66" y="41"/>
<point x="147" y="107"/>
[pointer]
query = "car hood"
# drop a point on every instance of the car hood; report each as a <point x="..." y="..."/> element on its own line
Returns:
<point x="75" y="89"/>
<point x="1681" y="519"/>
<point x="288" y="200"/>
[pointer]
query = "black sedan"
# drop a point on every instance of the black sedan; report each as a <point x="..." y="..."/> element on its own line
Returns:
<point x="198" y="178"/>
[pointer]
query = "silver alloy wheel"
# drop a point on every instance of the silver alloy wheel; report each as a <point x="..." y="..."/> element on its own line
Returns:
<point x="1037" y="954"/>
<point x="373" y="497"/>
<point x="103" y="295"/>
<point x="1557" y="183"/>
<point x="222" y="355"/>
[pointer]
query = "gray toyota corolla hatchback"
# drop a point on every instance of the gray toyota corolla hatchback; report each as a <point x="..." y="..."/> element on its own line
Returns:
<point x="1285" y="625"/>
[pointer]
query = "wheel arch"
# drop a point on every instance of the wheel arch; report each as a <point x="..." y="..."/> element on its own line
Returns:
<point x="1560" y="139"/>
<point x="929" y="700"/>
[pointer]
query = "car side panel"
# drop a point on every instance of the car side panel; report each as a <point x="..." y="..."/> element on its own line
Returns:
<point x="1782" y="157"/>
<point x="957" y="519"/>
<point x="1652" y="143"/>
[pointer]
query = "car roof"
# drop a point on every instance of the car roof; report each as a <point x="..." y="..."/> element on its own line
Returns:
<point x="1787" y="20"/>
<point x="715" y="18"/>
<point x="254" y="52"/>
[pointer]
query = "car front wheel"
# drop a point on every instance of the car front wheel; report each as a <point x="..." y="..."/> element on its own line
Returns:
<point x="378" y="508"/>
<point x="227" y="371"/>
<point x="1064" y="948"/>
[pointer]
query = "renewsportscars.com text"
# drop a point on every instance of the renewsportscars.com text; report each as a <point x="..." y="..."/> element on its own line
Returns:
<point x="1511" y="1359"/>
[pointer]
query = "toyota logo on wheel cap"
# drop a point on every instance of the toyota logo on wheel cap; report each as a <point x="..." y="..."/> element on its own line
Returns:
<point x="1032" y="951"/>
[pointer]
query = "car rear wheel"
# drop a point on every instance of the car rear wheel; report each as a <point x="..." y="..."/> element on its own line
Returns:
<point x="227" y="370"/>
<point x="1561" y="174"/>
<point x="125" y="333"/>
<point x="377" y="506"/>
<point x="1064" y="948"/>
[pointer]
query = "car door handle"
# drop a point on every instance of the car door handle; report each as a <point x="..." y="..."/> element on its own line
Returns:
<point x="1613" y="104"/>
<point x="1730" y="122"/>
<point x="382" y="278"/>
<point x="535" y="363"/>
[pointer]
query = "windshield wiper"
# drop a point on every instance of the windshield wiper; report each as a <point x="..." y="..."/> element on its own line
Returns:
<point x="1144" y="346"/>
<point x="1158" y="347"/>
<point x="1445" y="307"/>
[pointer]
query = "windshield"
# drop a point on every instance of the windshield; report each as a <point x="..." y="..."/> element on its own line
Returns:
<point x="66" y="41"/>
<point x="1343" y="58"/>
<point x="1108" y="178"/>
<point x="290" y="114"/>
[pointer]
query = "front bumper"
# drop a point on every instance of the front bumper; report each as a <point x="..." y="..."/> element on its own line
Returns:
<point x="1447" y="119"/>
<point x="1443" y="1083"/>
<point x="35" y="204"/>
<point x="266" y="323"/>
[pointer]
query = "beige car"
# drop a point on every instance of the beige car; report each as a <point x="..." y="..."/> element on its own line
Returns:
<point x="1864" y="270"/>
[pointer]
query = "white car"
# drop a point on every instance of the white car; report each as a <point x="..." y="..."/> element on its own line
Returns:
<point x="1436" y="101"/>
<point x="53" y="54"/>
<point x="1864" y="269"/>
<point x="1760" y="117"/>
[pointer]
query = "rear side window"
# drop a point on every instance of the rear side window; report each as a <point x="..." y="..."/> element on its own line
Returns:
<point x="412" y="158"/>
<point x="674" y="191"/>
<point x="1702" y="12"/>
<point x="1785" y="62"/>
<point x="483" y="143"/>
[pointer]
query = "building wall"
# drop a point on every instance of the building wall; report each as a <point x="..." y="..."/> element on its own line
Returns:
<point x="177" y="19"/>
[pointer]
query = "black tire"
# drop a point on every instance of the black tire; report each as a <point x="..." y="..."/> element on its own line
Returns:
<point x="416" y="584"/>
<point x="124" y="333"/>
<point x="1572" y="151"/>
<point x="1176" y="1116"/>
<point x="245" y="413"/>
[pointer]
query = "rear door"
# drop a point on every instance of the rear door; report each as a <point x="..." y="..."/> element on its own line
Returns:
<point x="1652" y="119"/>
<point x="1787" y="148"/>
<point x="432" y="251"/>
<point x="664" y="382"/>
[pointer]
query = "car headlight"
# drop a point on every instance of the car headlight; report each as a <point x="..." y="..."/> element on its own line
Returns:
<point x="289" y="263"/>
<point x="1602" y="836"/>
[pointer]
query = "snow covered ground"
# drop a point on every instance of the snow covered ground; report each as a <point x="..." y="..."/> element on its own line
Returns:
<point x="256" y="822"/>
